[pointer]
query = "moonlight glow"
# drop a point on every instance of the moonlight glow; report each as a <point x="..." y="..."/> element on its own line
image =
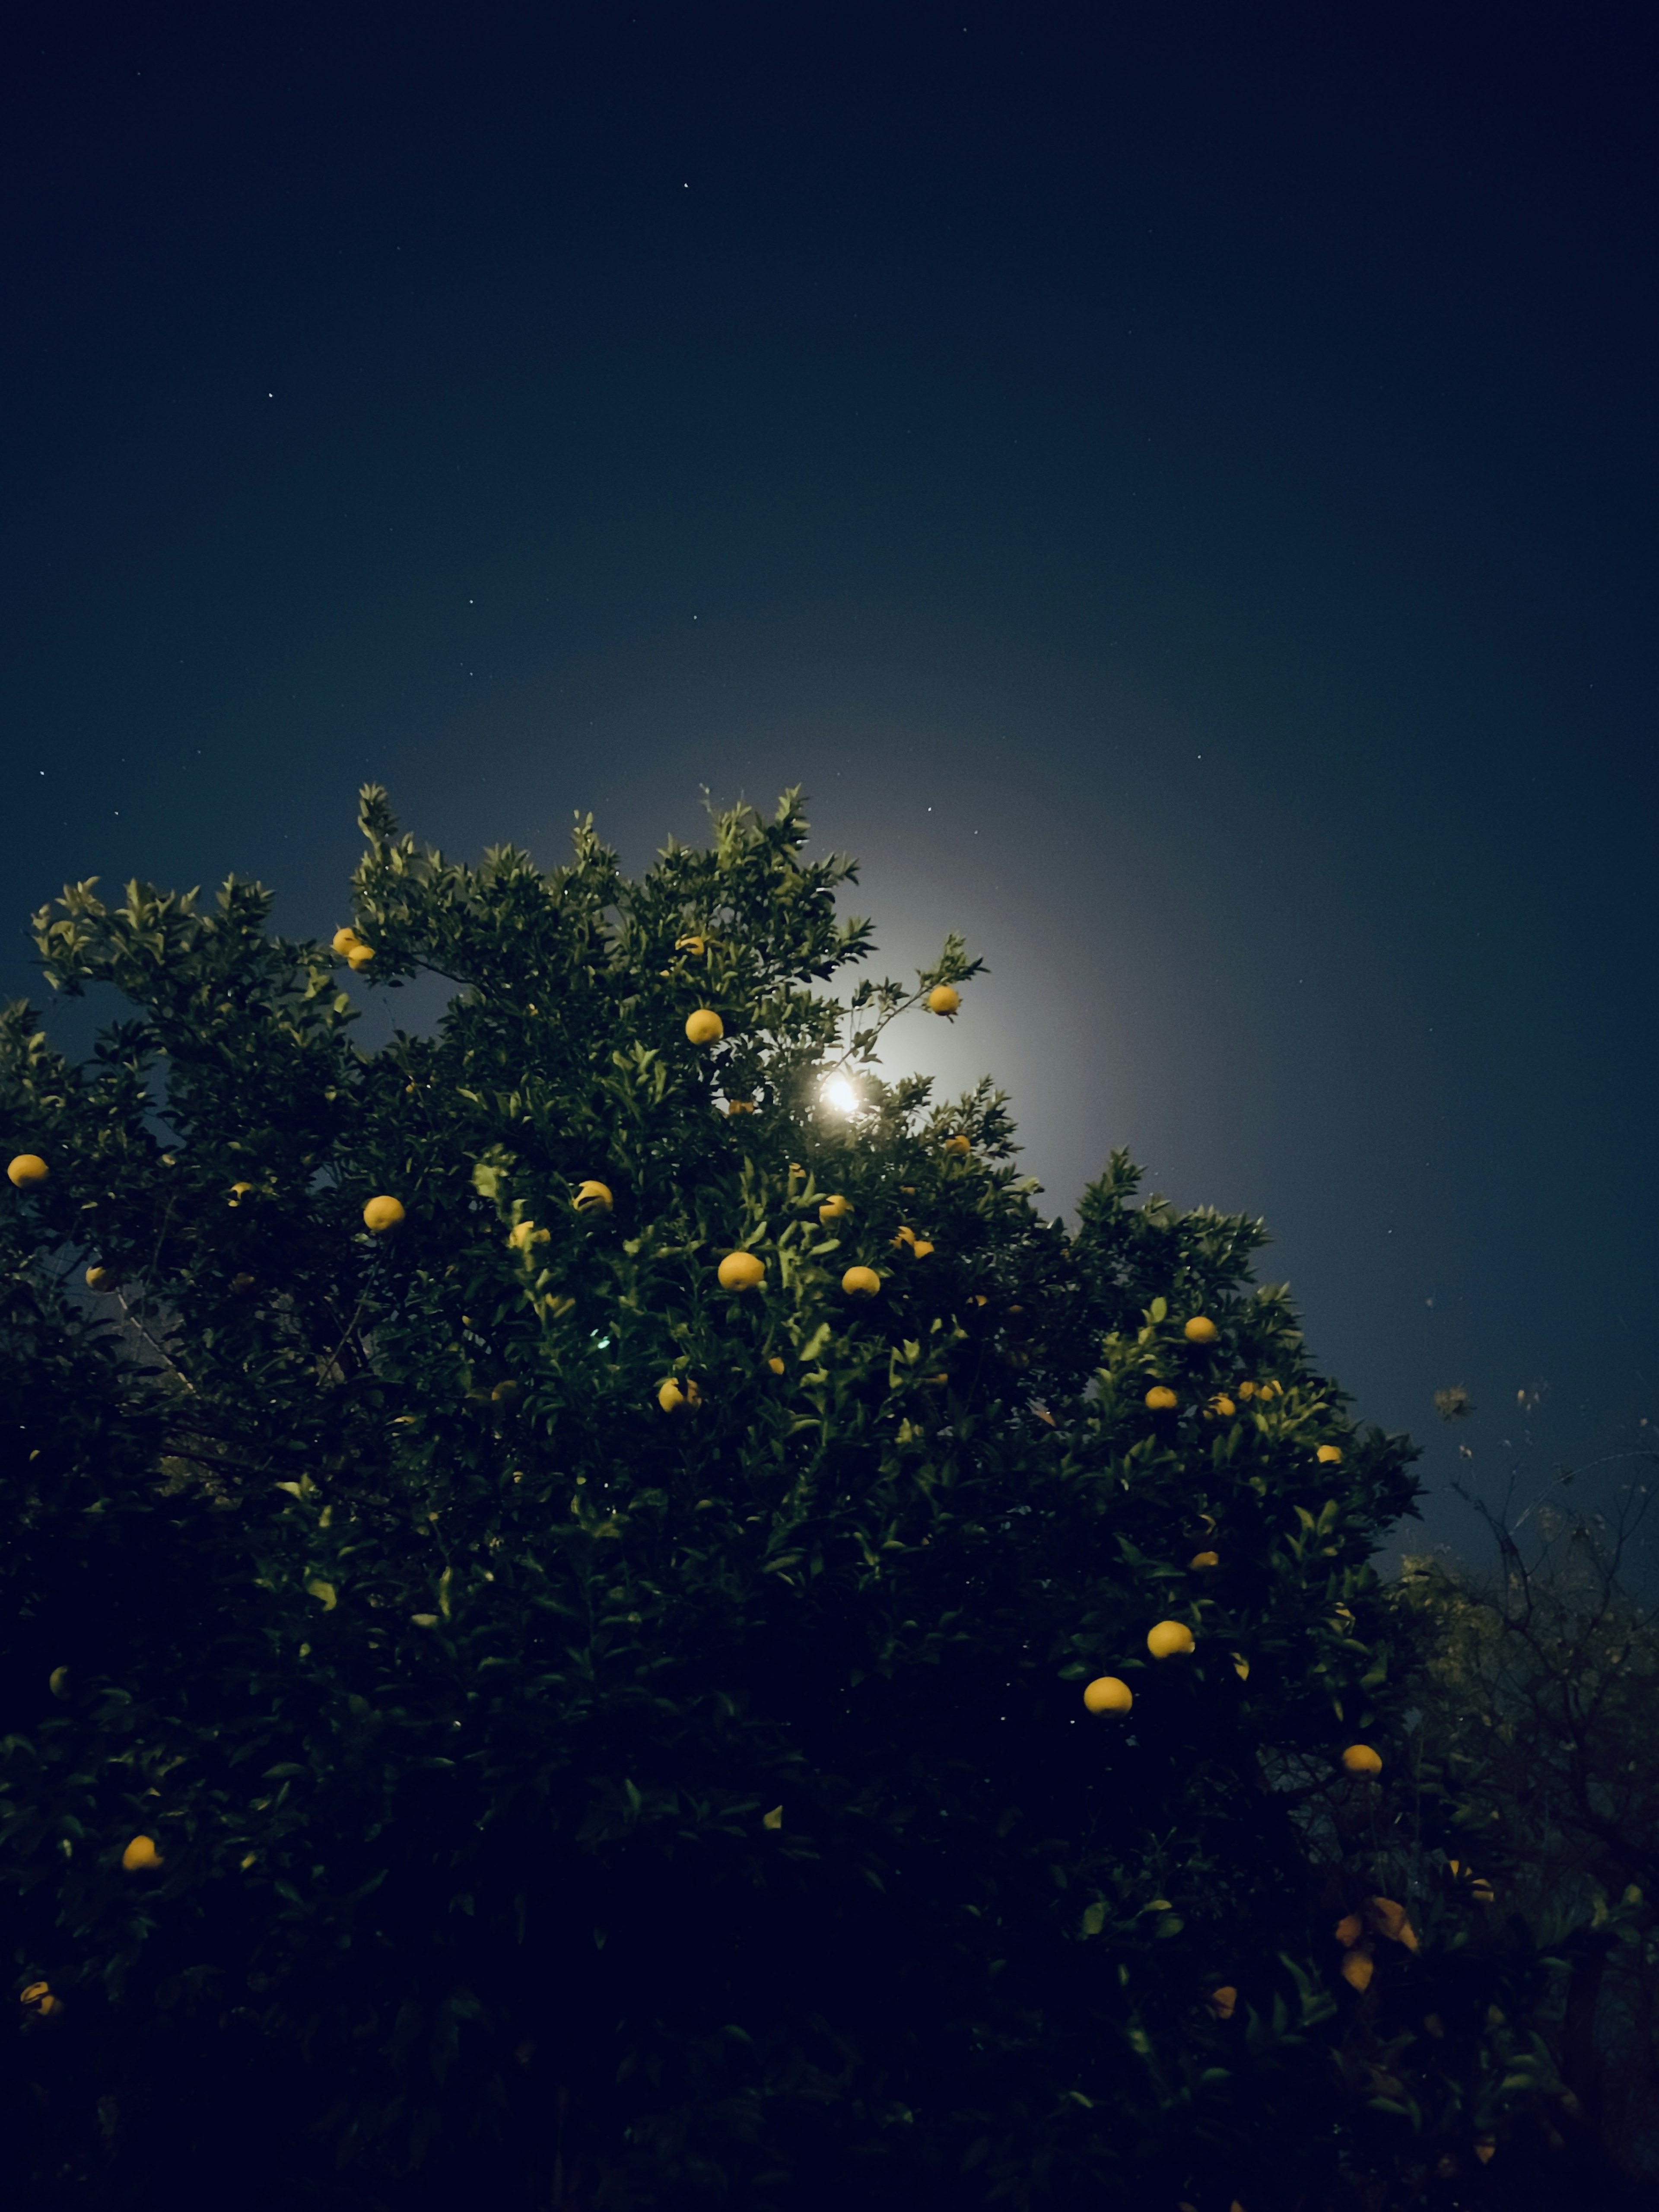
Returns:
<point x="840" y="1095"/>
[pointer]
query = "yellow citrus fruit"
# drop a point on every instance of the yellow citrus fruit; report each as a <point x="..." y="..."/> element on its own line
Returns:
<point x="776" y="1364"/>
<point x="27" y="1168"/>
<point x="1160" y="1398"/>
<point x="1220" y="1408"/>
<point x="1201" y="1329"/>
<point x="918" y="1246"/>
<point x="381" y="1214"/>
<point x="705" y="1026"/>
<point x="238" y="1192"/>
<point x="343" y="940"/>
<point x="689" y="944"/>
<point x="834" y="1209"/>
<point x="675" y="1396"/>
<point x="861" y="1282"/>
<point x="102" y="1281"/>
<point x="1241" y="1667"/>
<point x="504" y="1389"/>
<point x="740" y="1271"/>
<point x="739" y="1105"/>
<point x="958" y="1147"/>
<point x="523" y="1234"/>
<point x="1204" y="1561"/>
<point x="1485" y="2150"/>
<point x="1329" y="1455"/>
<point x="1360" y="1759"/>
<point x="1106" y="1694"/>
<point x="33" y="1993"/>
<point x="1168" y="1639"/>
<point x="942" y="999"/>
<point x="58" y="1682"/>
<point x="1247" y="1389"/>
<point x="1348" y="1930"/>
<point x="358" y="958"/>
<point x="140" y="1855"/>
<point x="592" y="1198"/>
<point x="1223" y="2001"/>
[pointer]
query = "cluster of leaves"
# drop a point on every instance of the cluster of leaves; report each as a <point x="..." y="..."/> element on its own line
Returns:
<point x="1536" y="1724"/>
<point x="632" y="1795"/>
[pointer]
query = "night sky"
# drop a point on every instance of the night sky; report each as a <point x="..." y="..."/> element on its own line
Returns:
<point x="1175" y="485"/>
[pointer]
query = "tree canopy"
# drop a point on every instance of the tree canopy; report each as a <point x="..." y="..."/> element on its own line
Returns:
<point x="551" y="1580"/>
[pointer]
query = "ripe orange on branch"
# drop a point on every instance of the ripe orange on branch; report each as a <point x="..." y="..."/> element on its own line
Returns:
<point x="705" y="1026"/>
<point x="741" y="1271"/>
<point x="27" y="1168"/>
<point x="1106" y="1694"/>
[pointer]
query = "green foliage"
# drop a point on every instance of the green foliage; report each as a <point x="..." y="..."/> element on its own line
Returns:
<point x="607" y="1804"/>
<point x="1537" y="1724"/>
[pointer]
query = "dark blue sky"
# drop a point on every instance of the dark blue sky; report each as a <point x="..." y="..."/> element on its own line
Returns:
<point x="1176" y="485"/>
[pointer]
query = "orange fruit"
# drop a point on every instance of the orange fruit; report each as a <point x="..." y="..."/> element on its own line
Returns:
<point x="834" y="1209"/>
<point x="1160" y="1398"/>
<point x="920" y="1248"/>
<point x="776" y="1364"/>
<point x="592" y="1198"/>
<point x="1348" y="1930"/>
<point x="343" y="940"/>
<point x="739" y="1105"/>
<point x="705" y="1026"/>
<point x="102" y="1281"/>
<point x="33" y="1993"/>
<point x="381" y="1214"/>
<point x="1247" y="1389"/>
<point x="1485" y="2150"/>
<point x="140" y="1855"/>
<point x="27" y="1168"/>
<point x="58" y="1682"/>
<point x="1220" y="1408"/>
<point x="1329" y="1455"/>
<point x="861" y="1282"/>
<point x="696" y="944"/>
<point x="1201" y="1329"/>
<point x="1241" y="1667"/>
<point x="1168" y="1639"/>
<point x="1106" y="1694"/>
<point x="1223" y="2001"/>
<point x="957" y="1146"/>
<point x="942" y="999"/>
<point x="359" y="957"/>
<point x="1360" y="1759"/>
<point x="504" y="1389"/>
<point x="239" y="1191"/>
<point x="523" y="1234"/>
<point x="1205" y="1561"/>
<point x="741" y="1271"/>
<point x="675" y="1396"/>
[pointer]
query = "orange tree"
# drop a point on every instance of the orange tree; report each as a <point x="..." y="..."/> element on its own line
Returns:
<point x="577" y="1625"/>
